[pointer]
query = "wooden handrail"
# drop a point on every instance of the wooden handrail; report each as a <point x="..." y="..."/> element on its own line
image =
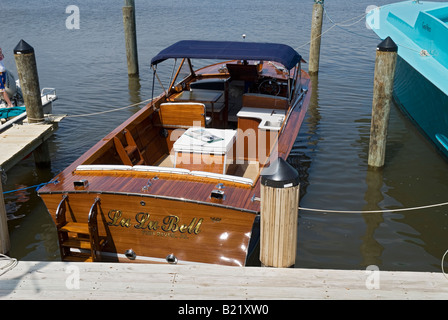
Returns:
<point x="60" y="212"/>
<point x="93" y="228"/>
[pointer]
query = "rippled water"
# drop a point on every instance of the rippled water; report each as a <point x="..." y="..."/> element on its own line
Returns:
<point x="88" y="68"/>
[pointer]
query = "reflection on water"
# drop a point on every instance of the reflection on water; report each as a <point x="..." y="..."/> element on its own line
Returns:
<point x="134" y="88"/>
<point x="88" y="68"/>
<point x="371" y="249"/>
<point x="335" y="176"/>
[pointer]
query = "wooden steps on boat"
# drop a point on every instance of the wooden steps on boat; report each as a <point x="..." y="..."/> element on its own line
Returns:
<point x="77" y="243"/>
<point x="78" y="257"/>
<point x="129" y="154"/>
<point x="77" y="236"/>
<point x="75" y="228"/>
<point x="83" y="238"/>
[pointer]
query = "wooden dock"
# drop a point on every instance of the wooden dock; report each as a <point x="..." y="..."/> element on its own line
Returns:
<point x="20" y="140"/>
<point x="87" y="281"/>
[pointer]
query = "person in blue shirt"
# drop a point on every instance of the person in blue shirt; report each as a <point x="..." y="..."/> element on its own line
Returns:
<point x="3" y="81"/>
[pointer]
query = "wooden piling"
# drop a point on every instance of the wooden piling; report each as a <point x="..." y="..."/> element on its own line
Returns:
<point x="29" y="83"/>
<point x="316" y="33"/>
<point x="386" y="58"/>
<point x="4" y="233"/>
<point x="130" y="36"/>
<point x="279" y="195"/>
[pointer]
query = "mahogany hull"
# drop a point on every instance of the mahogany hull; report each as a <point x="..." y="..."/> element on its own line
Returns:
<point x="155" y="228"/>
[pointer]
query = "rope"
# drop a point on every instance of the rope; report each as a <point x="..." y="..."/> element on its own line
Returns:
<point x="361" y="17"/>
<point x="37" y="186"/>
<point x="376" y="211"/>
<point x="423" y="53"/>
<point x="340" y="25"/>
<point x="322" y="33"/>
<point x="441" y="265"/>
<point x="12" y="263"/>
<point x="41" y="120"/>
<point x="358" y="19"/>
<point x="107" y="111"/>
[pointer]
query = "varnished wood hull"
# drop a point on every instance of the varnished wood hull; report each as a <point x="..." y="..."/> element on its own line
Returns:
<point x="155" y="228"/>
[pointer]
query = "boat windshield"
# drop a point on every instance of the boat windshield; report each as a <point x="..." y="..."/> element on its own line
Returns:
<point x="220" y="121"/>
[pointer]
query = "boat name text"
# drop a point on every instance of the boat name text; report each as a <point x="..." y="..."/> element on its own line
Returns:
<point x="142" y="221"/>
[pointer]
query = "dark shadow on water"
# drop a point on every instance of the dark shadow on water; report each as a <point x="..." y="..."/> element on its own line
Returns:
<point x="371" y="249"/>
<point x="134" y="88"/>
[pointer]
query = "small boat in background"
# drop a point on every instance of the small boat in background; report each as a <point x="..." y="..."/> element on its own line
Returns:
<point x="179" y="181"/>
<point x="16" y="114"/>
<point x="420" y="30"/>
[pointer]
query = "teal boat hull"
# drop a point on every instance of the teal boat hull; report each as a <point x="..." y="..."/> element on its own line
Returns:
<point x="420" y="30"/>
<point x="424" y="103"/>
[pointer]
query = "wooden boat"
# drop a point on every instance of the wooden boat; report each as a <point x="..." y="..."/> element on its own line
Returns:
<point x="179" y="181"/>
<point x="17" y="114"/>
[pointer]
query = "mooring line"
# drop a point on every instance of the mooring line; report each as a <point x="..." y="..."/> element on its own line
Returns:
<point x="12" y="263"/>
<point x="107" y="111"/>
<point x="37" y="186"/>
<point x="340" y="25"/>
<point x="441" y="265"/>
<point x="376" y="211"/>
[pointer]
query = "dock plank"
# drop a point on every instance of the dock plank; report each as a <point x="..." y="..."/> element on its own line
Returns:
<point x="48" y="280"/>
<point x="20" y="140"/>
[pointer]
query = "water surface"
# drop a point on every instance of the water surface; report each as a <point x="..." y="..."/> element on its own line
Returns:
<point x="88" y="68"/>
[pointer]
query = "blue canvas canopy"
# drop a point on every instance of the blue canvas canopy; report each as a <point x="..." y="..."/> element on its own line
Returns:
<point x="230" y="50"/>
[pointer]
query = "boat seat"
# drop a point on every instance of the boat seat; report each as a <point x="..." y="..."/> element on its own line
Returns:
<point x="209" y="84"/>
<point x="258" y="100"/>
<point x="183" y="115"/>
